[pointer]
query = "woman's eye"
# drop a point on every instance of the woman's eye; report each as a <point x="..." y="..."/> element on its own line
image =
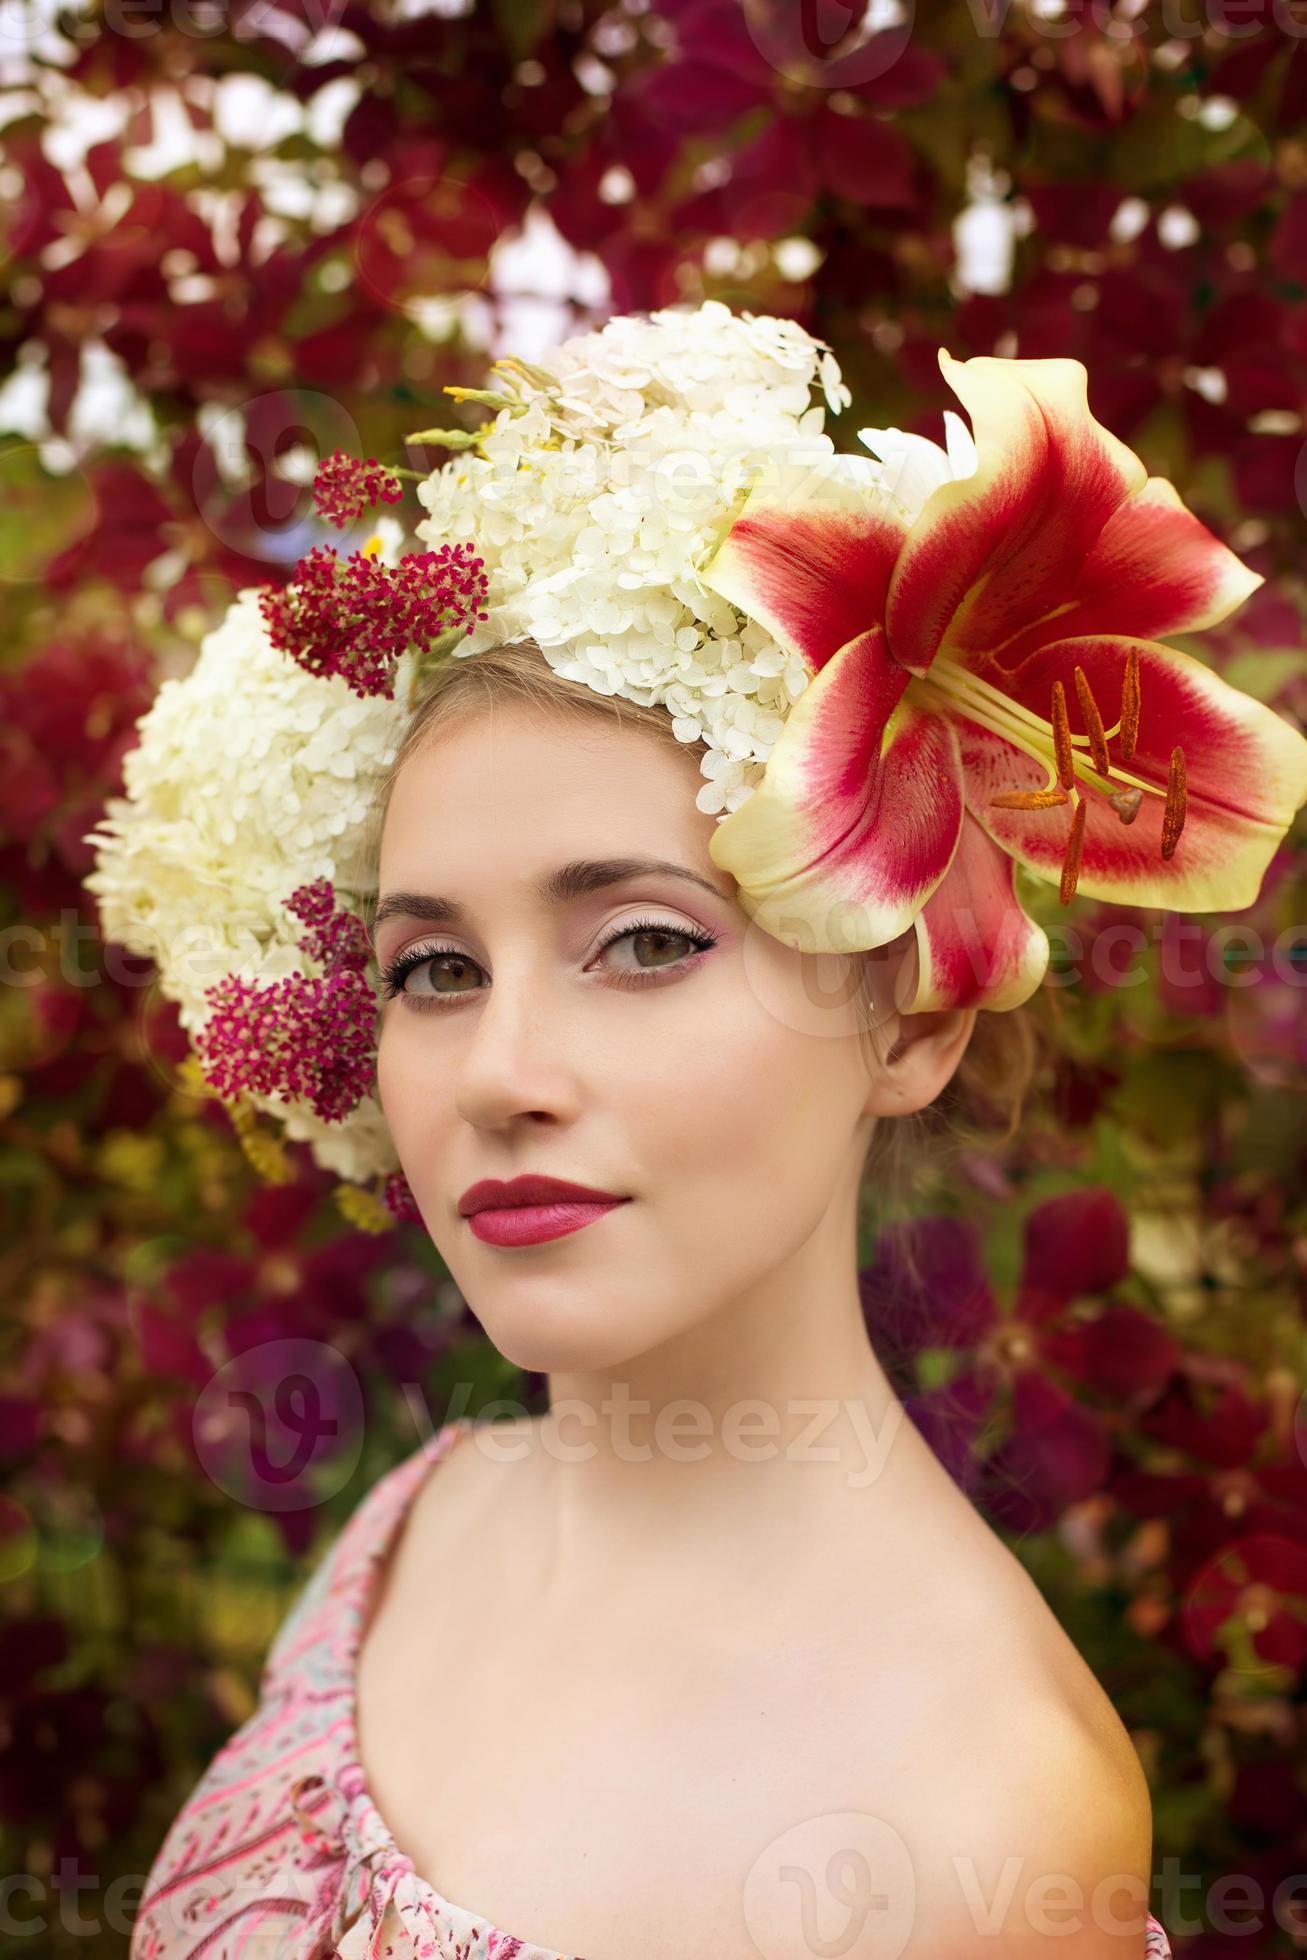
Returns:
<point x="664" y="944"/>
<point x="428" y="961"/>
<point x="655" y="949"/>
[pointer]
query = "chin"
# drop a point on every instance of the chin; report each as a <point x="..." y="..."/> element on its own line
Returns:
<point x="577" y="1331"/>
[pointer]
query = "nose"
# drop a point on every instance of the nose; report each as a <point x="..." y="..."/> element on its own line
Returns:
<point x="518" y="1056"/>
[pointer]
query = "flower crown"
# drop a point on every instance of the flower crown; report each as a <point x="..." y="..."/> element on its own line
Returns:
<point x="912" y="672"/>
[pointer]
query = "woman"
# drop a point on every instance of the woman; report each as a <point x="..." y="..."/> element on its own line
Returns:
<point x="722" y="1603"/>
<point x="713" y="1655"/>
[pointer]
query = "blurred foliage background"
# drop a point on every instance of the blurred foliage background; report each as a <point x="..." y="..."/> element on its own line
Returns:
<point x="235" y="237"/>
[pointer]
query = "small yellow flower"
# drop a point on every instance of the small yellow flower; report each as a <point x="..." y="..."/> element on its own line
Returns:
<point x="265" y="1156"/>
<point x="363" y="1209"/>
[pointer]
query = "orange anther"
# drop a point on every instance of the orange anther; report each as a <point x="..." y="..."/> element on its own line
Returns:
<point x="1027" y="799"/>
<point x="1177" y="803"/>
<point x="1130" y="705"/>
<point x="1093" y="722"/>
<point x="1066" y="767"/>
<point x="1071" y="863"/>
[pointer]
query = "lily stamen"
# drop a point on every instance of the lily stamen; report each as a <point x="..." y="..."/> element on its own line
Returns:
<point x="1062" y="749"/>
<point x="1028" y="799"/>
<point x="1066" y="890"/>
<point x="1093" y="723"/>
<point x="1074" y="763"/>
<point x="1177" y="803"/>
<point x="1130" y="705"/>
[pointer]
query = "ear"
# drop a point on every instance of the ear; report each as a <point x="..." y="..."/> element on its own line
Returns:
<point x="919" y="1053"/>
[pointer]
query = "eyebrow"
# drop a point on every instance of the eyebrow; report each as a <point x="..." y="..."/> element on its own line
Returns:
<point x="575" y="880"/>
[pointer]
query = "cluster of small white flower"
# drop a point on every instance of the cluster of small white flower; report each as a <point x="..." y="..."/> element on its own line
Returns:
<point x="594" y="497"/>
<point x="250" y="778"/>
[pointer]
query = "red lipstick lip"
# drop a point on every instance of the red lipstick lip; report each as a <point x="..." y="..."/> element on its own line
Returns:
<point x="489" y="1194"/>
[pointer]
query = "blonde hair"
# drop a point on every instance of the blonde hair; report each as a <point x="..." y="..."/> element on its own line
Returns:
<point x="983" y="1102"/>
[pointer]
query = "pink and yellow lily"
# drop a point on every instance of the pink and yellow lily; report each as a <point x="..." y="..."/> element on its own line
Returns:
<point x="988" y="690"/>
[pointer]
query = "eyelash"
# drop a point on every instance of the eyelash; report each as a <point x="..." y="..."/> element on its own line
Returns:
<point x="397" y="972"/>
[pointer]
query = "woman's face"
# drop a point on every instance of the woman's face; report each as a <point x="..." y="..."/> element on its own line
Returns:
<point x="722" y="1088"/>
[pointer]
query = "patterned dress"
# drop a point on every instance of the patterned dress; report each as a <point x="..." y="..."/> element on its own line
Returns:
<point x="279" y="1852"/>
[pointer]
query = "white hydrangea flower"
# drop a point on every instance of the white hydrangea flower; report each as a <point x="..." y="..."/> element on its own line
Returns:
<point x="594" y="504"/>
<point x="384" y="540"/>
<point x="250" y="778"/>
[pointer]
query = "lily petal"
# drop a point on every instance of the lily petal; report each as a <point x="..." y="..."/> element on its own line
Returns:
<point x="1155" y="569"/>
<point x="857" y="815"/>
<point x="993" y="553"/>
<point x="976" y="947"/>
<point x="1246" y="768"/>
<point x="810" y="555"/>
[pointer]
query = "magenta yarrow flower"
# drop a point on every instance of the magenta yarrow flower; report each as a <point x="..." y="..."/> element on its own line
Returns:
<point x="336" y="938"/>
<point x="355" y="618"/>
<point x="302" y="1037"/>
<point x="346" y="486"/>
<point x="397" y="1196"/>
<point x="298" y="1038"/>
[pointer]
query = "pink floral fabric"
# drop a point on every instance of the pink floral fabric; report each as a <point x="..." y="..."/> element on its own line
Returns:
<point x="280" y="1853"/>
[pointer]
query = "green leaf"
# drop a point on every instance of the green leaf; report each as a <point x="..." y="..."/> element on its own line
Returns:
<point x="1159" y="148"/>
<point x="1264" y="671"/>
<point x="936" y="1367"/>
<point x="472" y="1374"/>
<point x="521" y="24"/>
<point x="40" y="514"/>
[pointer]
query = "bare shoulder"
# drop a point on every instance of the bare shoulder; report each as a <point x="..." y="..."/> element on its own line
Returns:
<point x="1041" y="1838"/>
<point x="1049" y="1854"/>
<point x="449" y="1510"/>
<point x="414" y="1610"/>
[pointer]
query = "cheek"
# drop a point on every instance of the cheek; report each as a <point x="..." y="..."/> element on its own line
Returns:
<point x="743" y="1170"/>
<point x="747" y="1100"/>
<point x="407" y="1075"/>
